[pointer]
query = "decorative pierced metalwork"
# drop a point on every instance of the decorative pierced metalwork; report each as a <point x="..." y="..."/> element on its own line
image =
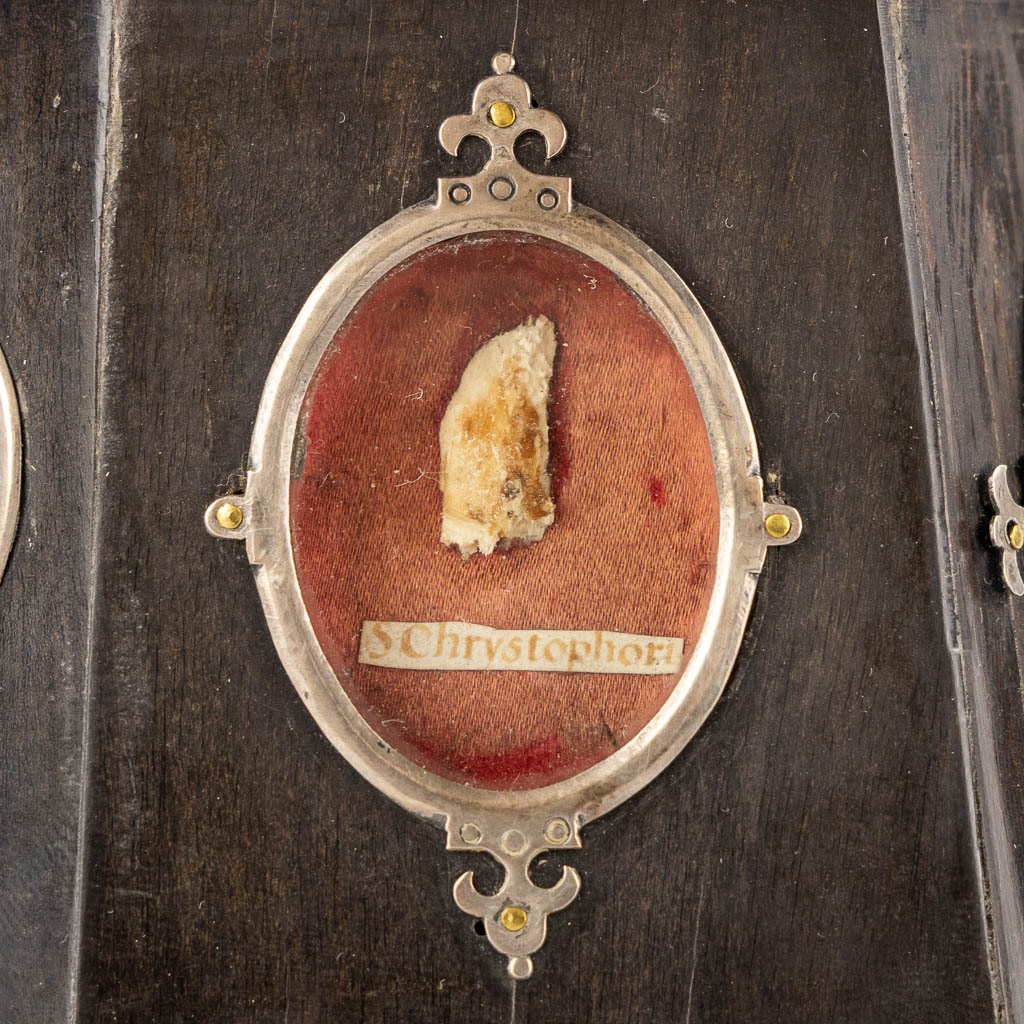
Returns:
<point x="1006" y="529"/>
<point x="502" y="111"/>
<point x="515" y="917"/>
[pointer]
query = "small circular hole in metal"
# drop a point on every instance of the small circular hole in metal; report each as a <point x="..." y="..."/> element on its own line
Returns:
<point x="1015" y="535"/>
<point x="502" y="188"/>
<point x="547" y="198"/>
<point x="479" y="927"/>
<point x="459" y="193"/>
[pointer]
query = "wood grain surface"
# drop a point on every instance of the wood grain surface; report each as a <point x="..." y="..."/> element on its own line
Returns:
<point x="813" y="854"/>
<point x="956" y="79"/>
<point x="48" y="236"/>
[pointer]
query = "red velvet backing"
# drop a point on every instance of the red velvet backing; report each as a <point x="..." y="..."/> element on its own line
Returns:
<point x="635" y="537"/>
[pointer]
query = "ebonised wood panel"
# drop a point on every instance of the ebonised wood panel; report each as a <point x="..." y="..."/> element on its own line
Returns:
<point x="956" y="79"/>
<point x="810" y="856"/>
<point x="48" y="105"/>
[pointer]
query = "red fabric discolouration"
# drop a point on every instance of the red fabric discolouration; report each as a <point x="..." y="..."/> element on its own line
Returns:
<point x="538" y="760"/>
<point x="366" y="508"/>
<point x="657" y="488"/>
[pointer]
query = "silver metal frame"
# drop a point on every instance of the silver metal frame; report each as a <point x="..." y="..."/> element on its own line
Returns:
<point x="514" y="826"/>
<point x="10" y="463"/>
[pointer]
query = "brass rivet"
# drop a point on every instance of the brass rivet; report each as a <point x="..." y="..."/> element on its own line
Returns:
<point x="470" y="833"/>
<point x="1015" y="535"/>
<point x="513" y="919"/>
<point x="501" y="188"/>
<point x="502" y="114"/>
<point x="229" y="516"/>
<point x="513" y="842"/>
<point x="778" y="525"/>
<point x="548" y="199"/>
<point x="556" y="831"/>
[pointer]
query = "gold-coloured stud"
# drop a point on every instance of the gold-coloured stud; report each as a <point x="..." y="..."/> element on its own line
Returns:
<point x="778" y="525"/>
<point x="1015" y="535"/>
<point x="502" y="114"/>
<point x="229" y="516"/>
<point x="513" y="919"/>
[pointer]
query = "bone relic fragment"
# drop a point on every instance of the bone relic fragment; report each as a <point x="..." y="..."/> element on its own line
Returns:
<point x="494" y="443"/>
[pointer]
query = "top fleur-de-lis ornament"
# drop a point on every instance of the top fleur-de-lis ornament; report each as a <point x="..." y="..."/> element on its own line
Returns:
<point x="505" y="503"/>
<point x="502" y="111"/>
<point x="1006" y="529"/>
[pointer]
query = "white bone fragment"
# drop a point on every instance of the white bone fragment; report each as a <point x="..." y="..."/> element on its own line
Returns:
<point x="494" y="443"/>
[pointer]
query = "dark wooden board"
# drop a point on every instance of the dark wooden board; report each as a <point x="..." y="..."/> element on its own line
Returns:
<point x="811" y="856"/>
<point x="48" y="103"/>
<point x="956" y="79"/>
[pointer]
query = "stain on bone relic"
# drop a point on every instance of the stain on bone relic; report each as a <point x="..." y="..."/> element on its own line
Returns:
<point x="494" y="443"/>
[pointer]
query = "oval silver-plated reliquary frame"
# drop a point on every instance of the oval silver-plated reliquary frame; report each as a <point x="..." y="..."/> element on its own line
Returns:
<point x="512" y="825"/>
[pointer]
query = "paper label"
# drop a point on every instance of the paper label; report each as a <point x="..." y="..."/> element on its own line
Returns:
<point x="465" y="647"/>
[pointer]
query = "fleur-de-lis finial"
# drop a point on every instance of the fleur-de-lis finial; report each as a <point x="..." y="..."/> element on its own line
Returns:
<point x="1006" y="528"/>
<point x="515" y="917"/>
<point x="502" y="110"/>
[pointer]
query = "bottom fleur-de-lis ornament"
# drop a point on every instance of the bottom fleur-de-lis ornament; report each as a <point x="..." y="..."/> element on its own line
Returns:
<point x="505" y="511"/>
